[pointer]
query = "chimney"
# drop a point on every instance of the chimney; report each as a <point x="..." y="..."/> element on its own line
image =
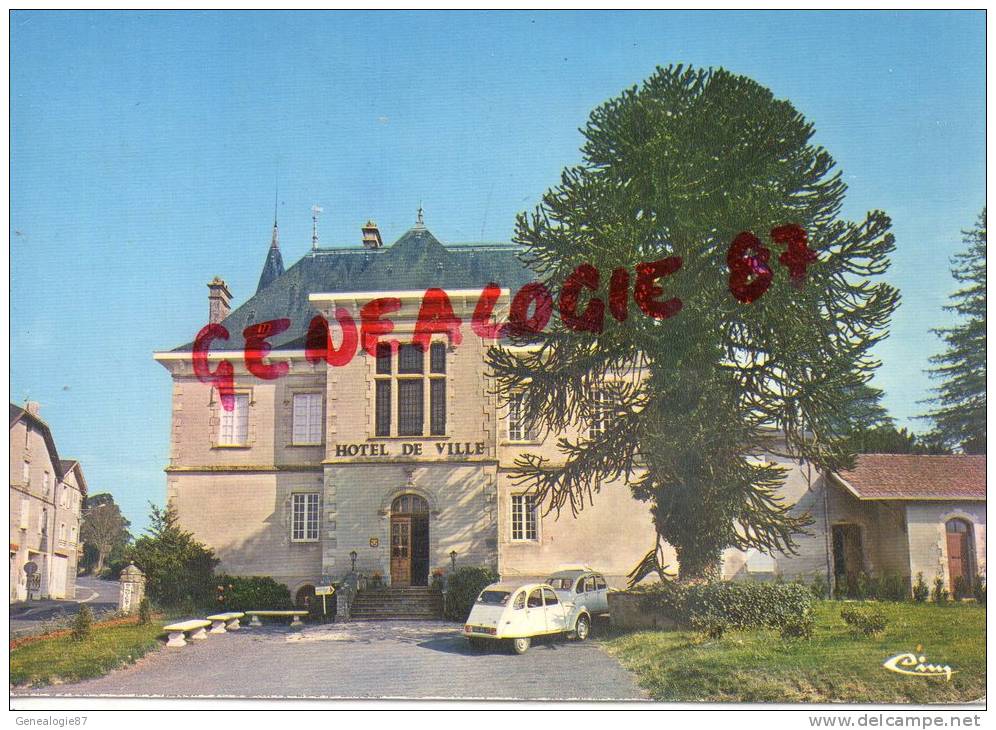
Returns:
<point x="371" y="236"/>
<point x="33" y="407"/>
<point x="219" y="301"/>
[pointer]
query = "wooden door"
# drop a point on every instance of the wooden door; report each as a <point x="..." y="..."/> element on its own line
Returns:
<point x="959" y="553"/>
<point x="401" y="550"/>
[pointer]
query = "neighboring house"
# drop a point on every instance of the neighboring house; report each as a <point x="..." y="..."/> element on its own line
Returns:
<point x="892" y="514"/>
<point x="402" y="461"/>
<point x="46" y="499"/>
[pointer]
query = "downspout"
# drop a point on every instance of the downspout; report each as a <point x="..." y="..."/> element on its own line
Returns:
<point x="826" y="534"/>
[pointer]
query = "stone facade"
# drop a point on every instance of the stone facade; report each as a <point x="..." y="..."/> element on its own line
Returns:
<point x="46" y="500"/>
<point x="254" y="499"/>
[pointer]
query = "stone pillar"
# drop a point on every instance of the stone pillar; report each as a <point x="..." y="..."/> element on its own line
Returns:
<point x="132" y="589"/>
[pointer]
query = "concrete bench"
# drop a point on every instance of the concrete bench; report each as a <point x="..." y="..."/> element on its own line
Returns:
<point x="194" y="627"/>
<point x="295" y="616"/>
<point x="225" y="622"/>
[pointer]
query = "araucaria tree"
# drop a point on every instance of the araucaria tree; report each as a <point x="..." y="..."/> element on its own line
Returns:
<point x="960" y="415"/>
<point x="730" y="343"/>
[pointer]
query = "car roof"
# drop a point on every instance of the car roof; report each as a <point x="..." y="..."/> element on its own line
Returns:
<point x="569" y="573"/>
<point x="512" y="587"/>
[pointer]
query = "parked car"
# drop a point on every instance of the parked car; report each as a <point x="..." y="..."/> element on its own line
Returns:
<point x="517" y="613"/>
<point x="585" y="588"/>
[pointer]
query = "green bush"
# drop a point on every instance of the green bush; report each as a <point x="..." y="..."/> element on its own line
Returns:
<point x="712" y="627"/>
<point x="820" y="588"/>
<point x="960" y="588"/>
<point x="251" y="593"/>
<point x="144" y="611"/>
<point x="940" y="593"/>
<point x="893" y="587"/>
<point x="744" y="605"/>
<point x="82" y="626"/>
<point x="798" y="628"/>
<point x="979" y="589"/>
<point x="868" y="622"/>
<point x="463" y="588"/>
<point x="179" y="570"/>
<point x="920" y="590"/>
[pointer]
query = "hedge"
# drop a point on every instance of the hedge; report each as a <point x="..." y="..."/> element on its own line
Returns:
<point x="741" y="605"/>
<point x="251" y="593"/>
<point x="462" y="589"/>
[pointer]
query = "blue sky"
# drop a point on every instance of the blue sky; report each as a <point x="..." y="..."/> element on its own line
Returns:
<point x="144" y="148"/>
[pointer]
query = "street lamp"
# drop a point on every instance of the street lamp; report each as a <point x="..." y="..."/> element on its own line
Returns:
<point x="352" y="560"/>
<point x="453" y="554"/>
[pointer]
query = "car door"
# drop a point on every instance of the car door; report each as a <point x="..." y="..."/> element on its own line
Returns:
<point x="535" y="619"/>
<point x="556" y="618"/>
<point x="601" y="595"/>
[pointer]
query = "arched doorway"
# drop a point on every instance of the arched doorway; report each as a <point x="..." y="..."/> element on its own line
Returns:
<point x="305" y="596"/>
<point x="960" y="553"/>
<point x="409" y="541"/>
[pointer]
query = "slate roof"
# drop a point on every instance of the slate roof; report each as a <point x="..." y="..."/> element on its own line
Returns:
<point x="68" y="465"/>
<point x="916" y="477"/>
<point x="274" y="265"/>
<point x="416" y="261"/>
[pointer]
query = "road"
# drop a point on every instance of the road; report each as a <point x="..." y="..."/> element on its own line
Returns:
<point x="33" y="617"/>
<point x="395" y="659"/>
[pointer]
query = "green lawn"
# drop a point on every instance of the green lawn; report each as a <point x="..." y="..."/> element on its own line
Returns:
<point x="59" y="658"/>
<point x="837" y="665"/>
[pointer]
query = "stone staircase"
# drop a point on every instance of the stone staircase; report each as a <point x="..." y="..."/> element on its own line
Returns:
<point x="414" y="602"/>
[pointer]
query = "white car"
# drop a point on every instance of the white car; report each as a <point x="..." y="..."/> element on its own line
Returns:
<point x="585" y="588"/>
<point x="517" y="613"/>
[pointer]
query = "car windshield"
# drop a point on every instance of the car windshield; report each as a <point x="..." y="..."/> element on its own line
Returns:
<point x="561" y="584"/>
<point x="494" y="598"/>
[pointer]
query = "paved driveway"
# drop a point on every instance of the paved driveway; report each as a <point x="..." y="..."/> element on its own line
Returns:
<point x="34" y="617"/>
<point x="401" y="659"/>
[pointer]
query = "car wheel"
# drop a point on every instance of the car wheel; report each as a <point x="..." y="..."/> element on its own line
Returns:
<point x="520" y="646"/>
<point x="582" y="630"/>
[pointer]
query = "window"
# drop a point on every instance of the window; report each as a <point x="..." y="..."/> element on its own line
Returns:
<point x="599" y="582"/>
<point x="45" y="483"/>
<point x="235" y="423"/>
<point x="26" y="473"/>
<point x="307" y="418"/>
<point x="304" y="517"/>
<point x="524" y="517"/>
<point x="412" y="390"/>
<point x="535" y="599"/>
<point x="518" y="430"/>
<point x="549" y="597"/>
<point x="62" y="531"/>
<point x="520" y="600"/>
<point x="410" y="403"/>
<point x="72" y="534"/>
<point x="25" y="513"/>
<point x="589" y="584"/>
<point x="43" y="521"/>
<point x="598" y="407"/>
<point x="383" y="407"/>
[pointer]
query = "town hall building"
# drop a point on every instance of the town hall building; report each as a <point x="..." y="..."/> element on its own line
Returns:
<point x="399" y="464"/>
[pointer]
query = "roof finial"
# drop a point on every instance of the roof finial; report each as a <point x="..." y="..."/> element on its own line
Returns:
<point x="419" y="220"/>
<point x="275" y="240"/>
<point x="315" y="210"/>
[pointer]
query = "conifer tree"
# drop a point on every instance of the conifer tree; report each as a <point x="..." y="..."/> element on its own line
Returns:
<point x="679" y="167"/>
<point x="960" y="416"/>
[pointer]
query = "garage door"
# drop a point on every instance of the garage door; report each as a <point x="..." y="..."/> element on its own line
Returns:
<point x="57" y="584"/>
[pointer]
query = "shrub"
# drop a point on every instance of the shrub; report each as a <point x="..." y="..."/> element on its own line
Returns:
<point x="744" y="605"/>
<point x="463" y="587"/>
<point x="868" y="622"/>
<point x="893" y="587"/>
<point x="144" y="611"/>
<point x="820" y="588"/>
<point x="82" y="626"/>
<point x="711" y="627"/>
<point x="920" y="590"/>
<point x="979" y="589"/>
<point x="865" y="587"/>
<point x="940" y="593"/>
<point x="179" y="570"/>
<point x="252" y="593"/>
<point x="959" y="588"/>
<point x="798" y="628"/>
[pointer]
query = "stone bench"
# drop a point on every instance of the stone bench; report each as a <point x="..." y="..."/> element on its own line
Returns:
<point x="256" y="615"/>
<point x="225" y="622"/>
<point x="194" y="627"/>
